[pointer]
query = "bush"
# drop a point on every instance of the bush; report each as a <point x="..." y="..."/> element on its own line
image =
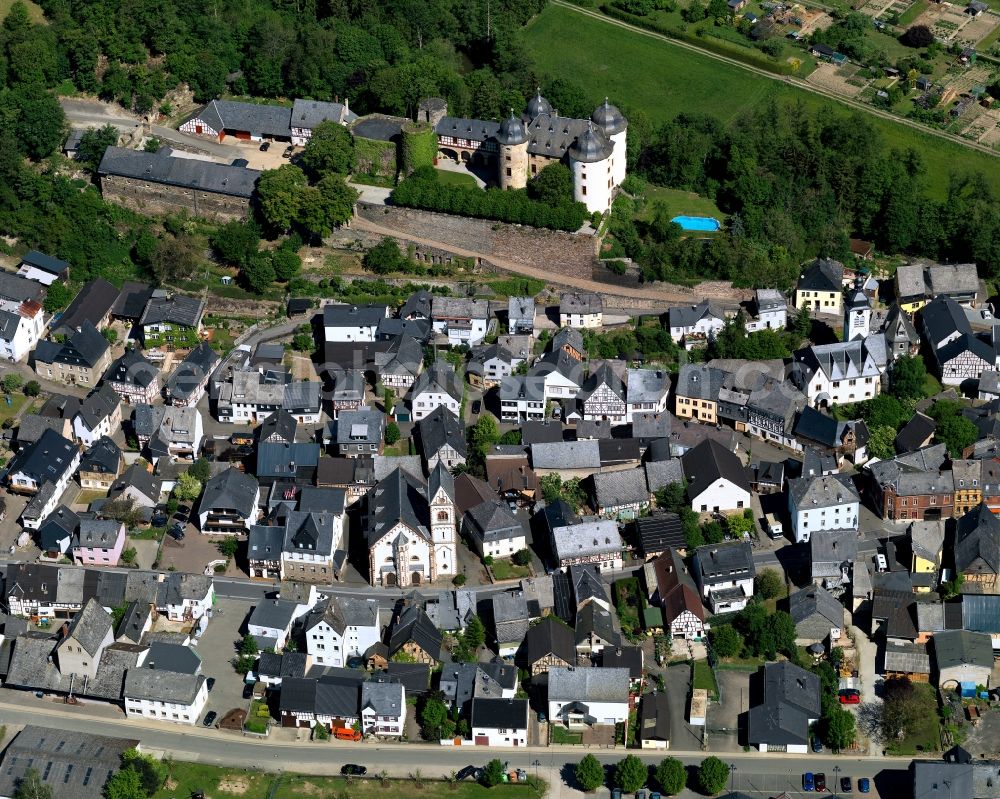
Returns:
<point x="493" y="773"/>
<point x="392" y="433"/>
<point x="630" y="774"/>
<point x="671" y="776"/>
<point x="522" y="557"/>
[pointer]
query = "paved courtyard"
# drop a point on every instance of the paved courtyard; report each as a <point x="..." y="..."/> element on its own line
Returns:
<point x="217" y="648"/>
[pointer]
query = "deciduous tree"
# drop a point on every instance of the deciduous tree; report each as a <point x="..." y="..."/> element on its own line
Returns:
<point x="712" y="775"/>
<point x="671" y="776"/>
<point x="630" y="774"/>
<point x="589" y="773"/>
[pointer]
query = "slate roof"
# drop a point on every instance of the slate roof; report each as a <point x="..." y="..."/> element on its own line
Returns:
<point x="710" y="461"/>
<point x="595" y="620"/>
<point x="84" y="346"/>
<point x="961" y="647"/>
<point x="685" y="316"/>
<point x="822" y="492"/>
<point x="273" y="613"/>
<point x="133" y="369"/>
<point x="823" y="274"/>
<point x="438" y="378"/>
<point x="172" y="657"/>
<point x="162" y="686"/>
<point x="566" y="455"/>
<point x="310" y="113"/>
<point x="676" y="587"/>
<point x="131" y="300"/>
<point x="414" y="625"/>
<point x="493" y="521"/>
<point x="627" y="487"/>
<point x="174" y="309"/>
<point x="439" y="429"/>
<point x="19" y="289"/>
<point x="897" y="609"/>
<point x="914" y="434"/>
<point x="76" y="764"/>
<point x="907" y="658"/>
<point x="191" y="372"/>
<point x="568" y="337"/>
<point x="90" y="626"/>
<point x="654" y="717"/>
<point x="98" y="406"/>
<point x="32" y="425"/>
<point x="585" y="539"/>
<point x="189" y="173"/>
<point x="255" y="118"/>
<point x="815" y="601"/>
<point x="276" y="459"/>
<point x="943" y="317"/>
<point x="660" y="531"/>
<point x="787" y="698"/>
<point x="977" y="537"/>
<point x="92" y="304"/>
<point x="578" y="302"/>
<point x="45" y="460"/>
<point x="548" y="637"/>
<point x="139" y="478"/>
<point x="499" y="714"/>
<point x="383" y="697"/>
<point x="715" y="561"/>
<point x="588" y="685"/>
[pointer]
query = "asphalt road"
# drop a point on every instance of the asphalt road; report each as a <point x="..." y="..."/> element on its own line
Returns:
<point x="768" y="774"/>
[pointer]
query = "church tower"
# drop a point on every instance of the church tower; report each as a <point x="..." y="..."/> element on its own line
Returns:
<point x="441" y="501"/>
<point x="857" y="312"/>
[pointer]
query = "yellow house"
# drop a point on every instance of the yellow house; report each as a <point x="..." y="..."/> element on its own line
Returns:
<point x="926" y="541"/>
<point x="697" y="393"/>
<point x="911" y="288"/>
<point x="821" y="287"/>
<point x="968" y="485"/>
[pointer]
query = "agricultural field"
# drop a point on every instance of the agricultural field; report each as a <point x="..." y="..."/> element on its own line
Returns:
<point x="643" y="71"/>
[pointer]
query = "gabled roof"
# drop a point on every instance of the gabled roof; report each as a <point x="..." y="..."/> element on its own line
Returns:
<point x="439" y="378"/>
<point x="815" y="601"/>
<point x="962" y="647"/>
<point x="685" y="316"/>
<point x="676" y="587"/>
<point x="45" y="460"/>
<point x="175" y="309"/>
<point x="439" y="429"/>
<point x="310" y="113"/>
<point x="499" y="714"/>
<point x="654" y="717"/>
<point x="46" y="263"/>
<point x="625" y="487"/>
<point x="943" y="317"/>
<point x="785" y="699"/>
<point x="192" y="372"/>
<point x="595" y="620"/>
<point x="977" y="541"/>
<point x="231" y="490"/>
<point x="162" y="167"/>
<point x="823" y="274"/>
<point x="822" y="492"/>
<point x="256" y="118"/>
<point x="915" y="433"/>
<point x="414" y="625"/>
<point x="548" y="637"/>
<point x="493" y="521"/>
<point x="90" y="627"/>
<point x="383" y="698"/>
<point x="92" y="304"/>
<point x="578" y="302"/>
<point x="659" y="532"/>
<point x="710" y="461"/>
<point x="132" y="300"/>
<point x="588" y="685"/>
<point x="132" y="369"/>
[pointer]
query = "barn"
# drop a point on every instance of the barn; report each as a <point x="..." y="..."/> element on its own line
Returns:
<point x="244" y="121"/>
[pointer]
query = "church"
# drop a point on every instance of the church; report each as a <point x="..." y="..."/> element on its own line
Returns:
<point x="520" y="146"/>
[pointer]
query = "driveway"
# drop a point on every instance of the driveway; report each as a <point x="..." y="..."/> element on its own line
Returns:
<point x="677" y="680"/>
<point x="217" y="648"/>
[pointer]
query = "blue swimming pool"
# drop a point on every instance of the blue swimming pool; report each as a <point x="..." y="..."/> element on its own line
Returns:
<point x="696" y="222"/>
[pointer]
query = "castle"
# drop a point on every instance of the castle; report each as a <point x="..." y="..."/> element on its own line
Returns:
<point x="519" y="147"/>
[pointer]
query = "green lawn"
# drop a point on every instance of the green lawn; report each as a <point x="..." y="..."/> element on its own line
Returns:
<point x="560" y="735"/>
<point x="219" y="782"/>
<point x="661" y="79"/>
<point x="17" y="400"/>
<point x="450" y="178"/>
<point x="34" y="10"/>
<point x="932" y="386"/>
<point x="907" y="17"/>
<point x="504" y="569"/>
<point x="704" y="678"/>
<point x="678" y="203"/>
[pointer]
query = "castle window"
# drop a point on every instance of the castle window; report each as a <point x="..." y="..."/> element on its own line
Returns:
<point x="508" y="170"/>
<point x="442" y="515"/>
<point x="584" y="191"/>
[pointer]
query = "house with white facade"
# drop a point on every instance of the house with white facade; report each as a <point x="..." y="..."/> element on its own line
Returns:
<point x="724" y="574"/>
<point x="646" y="391"/>
<point x="309" y="114"/>
<point x="695" y="325"/>
<point x="522" y="398"/>
<point x="341" y="628"/>
<point x="768" y="311"/>
<point x="229" y="503"/>
<point x="521" y="315"/>
<point x="250" y="397"/>
<point x="677" y="594"/>
<point x="175" y="697"/>
<point x="312" y="540"/>
<point x="499" y="722"/>
<point x="837" y="374"/>
<point x="494" y="530"/>
<point x="43" y="268"/>
<point x="602" y="397"/>
<point x="561" y="376"/>
<point x="342" y="323"/>
<point x="586" y="696"/>
<point x="785" y="704"/>
<point x="42" y="471"/>
<point x="383" y="708"/>
<point x="100" y="415"/>
<point x="435" y="387"/>
<point x="20" y="330"/>
<point x="717" y="479"/>
<point x="581" y="310"/>
<point x="822" y="503"/>
<point x="442" y="439"/>
<point x="270" y="623"/>
<point x="411" y="528"/>
<point x="588" y="542"/>
<point x="134" y="378"/>
<point x="463" y="320"/>
<point x="187" y="597"/>
<point x="493" y="362"/>
<point x="169" y="431"/>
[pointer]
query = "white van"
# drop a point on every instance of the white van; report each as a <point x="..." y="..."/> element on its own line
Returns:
<point x="774" y="528"/>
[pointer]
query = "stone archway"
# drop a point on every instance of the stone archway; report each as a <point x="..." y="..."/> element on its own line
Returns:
<point x="447" y="152"/>
<point x="390" y="579"/>
<point x="415" y="578"/>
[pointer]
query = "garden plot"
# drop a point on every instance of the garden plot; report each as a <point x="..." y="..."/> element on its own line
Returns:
<point x="965" y="81"/>
<point x="842" y="80"/>
<point x="979" y="28"/>
<point x="876" y="8"/>
<point x="812" y="20"/>
<point x="944" y="20"/>
<point x="983" y="125"/>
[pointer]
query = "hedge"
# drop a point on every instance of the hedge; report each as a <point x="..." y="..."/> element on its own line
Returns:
<point x="705" y="41"/>
<point x="424" y="191"/>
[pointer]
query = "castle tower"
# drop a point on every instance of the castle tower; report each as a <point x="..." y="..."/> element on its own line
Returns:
<point x="441" y="499"/>
<point x="512" y="163"/>
<point x="615" y="127"/>
<point x="857" y="312"/>
<point x="590" y="161"/>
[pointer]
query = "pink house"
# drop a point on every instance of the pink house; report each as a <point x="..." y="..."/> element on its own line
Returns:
<point x="99" y="542"/>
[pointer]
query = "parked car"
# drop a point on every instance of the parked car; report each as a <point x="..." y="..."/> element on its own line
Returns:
<point x="210" y="682"/>
<point x="265" y="147"/>
<point x="177" y="531"/>
<point x="845" y="785"/>
<point x="820" y="782"/>
<point x="468" y="771"/>
<point x="210" y="718"/>
<point x="616" y="794"/>
<point x="477" y="406"/>
<point x="353" y="770"/>
<point x="807" y="782"/>
<point x="247" y="690"/>
<point x="849" y="696"/>
<point x="864" y="785"/>
<point x="287" y="153"/>
<point x="817" y="744"/>
<point x="159" y="519"/>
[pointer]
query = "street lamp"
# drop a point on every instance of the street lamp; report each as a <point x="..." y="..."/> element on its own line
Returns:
<point x="836" y="780"/>
<point x="536" y="763"/>
<point x="732" y="776"/>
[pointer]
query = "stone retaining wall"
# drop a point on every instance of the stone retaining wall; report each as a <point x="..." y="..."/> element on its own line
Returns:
<point x="569" y="254"/>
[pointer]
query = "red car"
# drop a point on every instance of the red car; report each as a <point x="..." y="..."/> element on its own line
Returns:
<point x="850" y="697"/>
